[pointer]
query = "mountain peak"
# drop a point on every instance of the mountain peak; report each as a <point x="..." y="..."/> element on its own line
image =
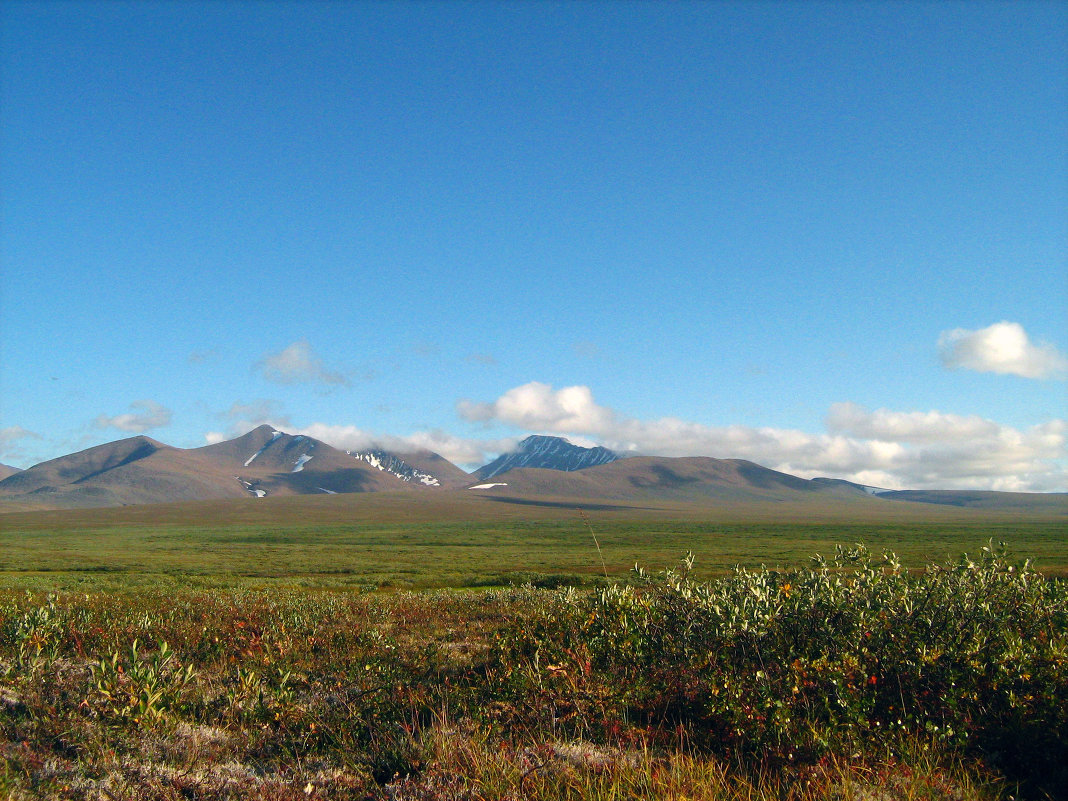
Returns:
<point x="547" y="452"/>
<point x="537" y="440"/>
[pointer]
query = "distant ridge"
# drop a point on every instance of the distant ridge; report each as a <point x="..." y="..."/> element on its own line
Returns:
<point x="7" y="470"/>
<point x="691" y="479"/>
<point x="550" y="453"/>
<point x="542" y="470"/>
<point x="263" y="462"/>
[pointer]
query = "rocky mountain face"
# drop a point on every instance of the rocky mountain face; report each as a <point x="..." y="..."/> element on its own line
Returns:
<point x="552" y="453"/>
<point x="394" y="465"/>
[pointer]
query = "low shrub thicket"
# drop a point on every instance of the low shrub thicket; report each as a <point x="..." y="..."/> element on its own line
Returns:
<point x="767" y="679"/>
<point x="786" y="667"/>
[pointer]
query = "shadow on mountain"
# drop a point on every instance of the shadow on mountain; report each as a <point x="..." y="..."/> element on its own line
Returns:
<point x="582" y="506"/>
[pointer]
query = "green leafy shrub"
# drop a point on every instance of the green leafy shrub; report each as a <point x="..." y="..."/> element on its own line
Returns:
<point x="853" y="654"/>
<point x="141" y="687"/>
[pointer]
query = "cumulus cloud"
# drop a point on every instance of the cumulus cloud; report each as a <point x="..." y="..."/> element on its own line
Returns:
<point x="883" y="424"/>
<point x="536" y="406"/>
<point x="145" y="415"/>
<point x="882" y="448"/>
<point x="878" y="447"/>
<point x="1001" y="348"/>
<point x="298" y="364"/>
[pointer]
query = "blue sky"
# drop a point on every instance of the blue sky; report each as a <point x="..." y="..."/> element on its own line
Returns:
<point x="828" y="237"/>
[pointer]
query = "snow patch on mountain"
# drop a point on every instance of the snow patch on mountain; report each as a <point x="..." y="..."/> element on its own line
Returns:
<point x="388" y="463"/>
<point x="251" y="488"/>
<point x="303" y="460"/>
<point x="274" y="435"/>
<point x="489" y="486"/>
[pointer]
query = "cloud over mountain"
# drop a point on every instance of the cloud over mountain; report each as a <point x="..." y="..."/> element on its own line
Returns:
<point x="1002" y="348"/>
<point x="883" y="447"/>
<point x="146" y="415"/>
<point x="459" y="450"/>
<point x="535" y="406"/>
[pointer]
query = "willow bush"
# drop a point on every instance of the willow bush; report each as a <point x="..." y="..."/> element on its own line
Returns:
<point x="854" y="653"/>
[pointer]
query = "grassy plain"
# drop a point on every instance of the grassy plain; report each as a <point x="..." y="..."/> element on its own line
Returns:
<point x="941" y="685"/>
<point x="237" y="650"/>
<point x="405" y="542"/>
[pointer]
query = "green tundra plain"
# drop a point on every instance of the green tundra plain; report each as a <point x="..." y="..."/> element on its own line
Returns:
<point x="391" y="541"/>
<point x="368" y="648"/>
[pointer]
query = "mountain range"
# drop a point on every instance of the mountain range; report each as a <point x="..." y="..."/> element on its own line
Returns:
<point x="268" y="462"/>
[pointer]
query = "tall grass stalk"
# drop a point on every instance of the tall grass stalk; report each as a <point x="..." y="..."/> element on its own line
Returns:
<point x="589" y="527"/>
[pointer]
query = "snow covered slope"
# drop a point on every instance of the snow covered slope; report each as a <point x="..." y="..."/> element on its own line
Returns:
<point x="393" y="464"/>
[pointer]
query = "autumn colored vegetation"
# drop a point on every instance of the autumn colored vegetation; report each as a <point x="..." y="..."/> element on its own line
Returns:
<point x="853" y="678"/>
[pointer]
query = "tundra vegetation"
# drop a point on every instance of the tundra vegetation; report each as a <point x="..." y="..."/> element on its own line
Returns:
<point x="852" y="678"/>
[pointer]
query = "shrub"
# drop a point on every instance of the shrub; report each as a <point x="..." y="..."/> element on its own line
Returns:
<point x="854" y="653"/>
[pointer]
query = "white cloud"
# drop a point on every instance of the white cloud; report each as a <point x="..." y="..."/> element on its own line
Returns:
<point x="882" y="448"/>
<point x="147" y="415"/>
<point x="459" y="450"/>
<point x="883" y="424"/>
<point x="10" y="437"/>
<point x="298" y="364"/>
<point x="12" y="434"/>
<point x="1002" y="348"/>
<point x="536" y="406"/>
<point x="349" y="438"/>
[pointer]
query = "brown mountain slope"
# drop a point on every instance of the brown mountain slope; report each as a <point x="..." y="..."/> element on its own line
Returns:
<point x="82" y="465"/>
<point x="141" y="470"/>
<point x="713" y="483"/>
<point x="271" y="461"/>
<point x="650" y="478"/>
<point x="7" y="470"/>
<point x="265" y="451"/>
<point x="133" y="470"/>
